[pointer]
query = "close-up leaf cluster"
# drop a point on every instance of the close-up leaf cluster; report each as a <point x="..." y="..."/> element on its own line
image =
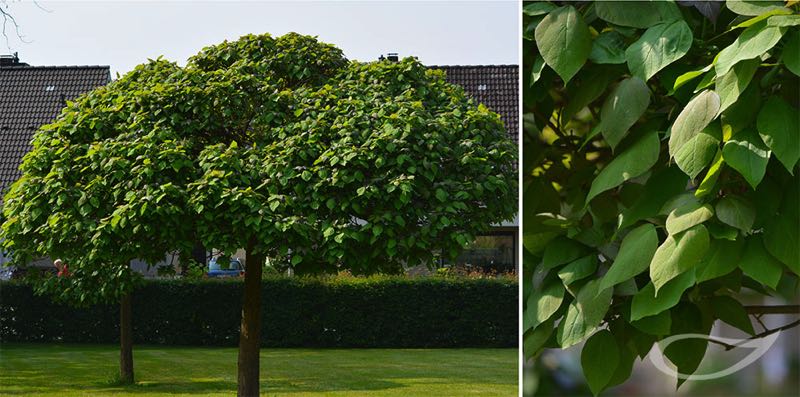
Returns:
<point x="660" y="174"/>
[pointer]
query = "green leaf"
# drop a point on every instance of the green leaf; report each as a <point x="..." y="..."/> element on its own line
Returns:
<point x="306" y="175"/>
<point x="578" y="269"/>
<point x="689" y="76"/>
<point x="537" y="8"/>
<point x="748" y="155"/>
<point x="753" y="42"/>
<point x="660" y="187"/>
<point x="732" y="312"/>
<point x="634" y="256"/>
<point x="759" y="264"/>
<point x="687" y="216"/>
<point x="710" y="180"/>
<point x="584" y="314"/>
<point x="296" y="259"/>
<point x="687" y="354"/>
<point x="564" y="41"/>
<point x="782" y="240"/>
<point x="273" y="205"/>
<point x="634" y="161"/>
<point x="737" y="212"/>
<point x="784" y="20"/>
<point x="743" y="112"/>
<point x="658" y="47"/>
<point x="560" y="251"/>
<point x="608" y="48"/>
<point x="791" y="52"/>
<point x="677" y="254"/>
<point x="536" y="70"/>
<point x="693" y="119"/>
<point x="649" y="302"/>
<point x="542" y="304"/>
<point x="761" y="17"/>
<point x="535" y="339"/>
<point x="637" y="14"/>
<point x="723" y="258"/>
<point x="591" y="86"/>
<point x="753" y="7"/>
<point x="658" y="324"/>
<point x="697" y="152"/>
<point x="733" y="83"/>
<point x="622" y="109"/>
<point x="778" y="125"/>
<point x="599" y="360"/>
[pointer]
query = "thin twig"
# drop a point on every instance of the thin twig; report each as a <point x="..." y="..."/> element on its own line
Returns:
<point x="776" y="309"/>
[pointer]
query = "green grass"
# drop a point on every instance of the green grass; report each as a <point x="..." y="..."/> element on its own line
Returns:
<point x="90" y="370"/>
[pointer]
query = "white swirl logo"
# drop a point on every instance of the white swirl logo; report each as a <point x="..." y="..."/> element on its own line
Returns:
<point x="759" y="346"/>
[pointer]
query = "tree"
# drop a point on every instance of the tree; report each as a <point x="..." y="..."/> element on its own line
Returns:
<point x="276" y="145"/>
<point x="659" y="168"/>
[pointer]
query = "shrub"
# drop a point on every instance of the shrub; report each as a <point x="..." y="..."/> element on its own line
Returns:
<point x="307" y="312"/>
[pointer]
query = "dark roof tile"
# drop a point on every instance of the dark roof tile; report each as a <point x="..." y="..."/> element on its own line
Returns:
<point x="31" y="96"/>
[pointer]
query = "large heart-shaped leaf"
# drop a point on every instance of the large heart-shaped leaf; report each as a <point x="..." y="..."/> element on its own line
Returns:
<point x="748" y="155"/>
<point x="688" y="215"/>
<point x="544" y="303"/>
<point x="637" y="14"/>
<point x="778" y="125"/>
<point x="658" y="47"/>
<point x="646" y="303"/>
<point x="677" y="254"/>
<point x="584" y="314"/>
<point x="754" y="41"/>
<point x="737" y="212"/>
<point x="732" y="84"/>
<point x="622" y="108"/>
<point x="695" y="117"/>
<point x="599" y="360"/>
<point x="759" y="264"/>
<point x="697" y="153"/>
<point x="564" y="41"/>
<point x="634" y="161"/>
<point x="634" y="256"/>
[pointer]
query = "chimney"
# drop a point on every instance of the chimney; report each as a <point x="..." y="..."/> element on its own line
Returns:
<point x="392" y="57"/>
<point x="7" y="60"/>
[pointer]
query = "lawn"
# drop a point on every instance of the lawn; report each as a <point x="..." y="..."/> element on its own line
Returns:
<point x="88" y="370"/>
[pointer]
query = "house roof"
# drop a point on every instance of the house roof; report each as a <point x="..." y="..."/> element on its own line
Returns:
<point x="31" y="96"/>
<point x="495" y="86"/>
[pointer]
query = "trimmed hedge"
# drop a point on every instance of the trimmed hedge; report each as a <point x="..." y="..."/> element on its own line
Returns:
<point x="373" y="312"/>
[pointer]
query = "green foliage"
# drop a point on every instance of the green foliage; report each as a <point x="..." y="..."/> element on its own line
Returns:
<point x="297" y="312"/>
<point x="668" y="158"/>
<point x="275" y="144"/>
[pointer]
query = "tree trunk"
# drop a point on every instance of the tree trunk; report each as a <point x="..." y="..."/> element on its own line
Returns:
<point x="126" y="340"/>
<point x="250" y="334"/>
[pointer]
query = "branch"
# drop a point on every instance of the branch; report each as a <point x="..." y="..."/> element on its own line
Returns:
<point x="777" y="309"/>
<point x="8" y="18"/>
<point x="757" y="336"/>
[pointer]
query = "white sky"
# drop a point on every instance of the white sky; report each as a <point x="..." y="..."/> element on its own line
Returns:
<point x="123" y="34"/>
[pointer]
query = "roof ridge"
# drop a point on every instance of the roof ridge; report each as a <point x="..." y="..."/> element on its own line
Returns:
<point x="475" y="66"/>
<point x="56" y="67"/>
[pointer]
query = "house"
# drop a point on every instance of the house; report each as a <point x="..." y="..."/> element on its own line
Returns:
<point x="31" y="96"/>
<point x="496" y="86"/>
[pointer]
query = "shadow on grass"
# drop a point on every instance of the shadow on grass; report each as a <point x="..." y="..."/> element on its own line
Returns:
<point x="268" y="387"/>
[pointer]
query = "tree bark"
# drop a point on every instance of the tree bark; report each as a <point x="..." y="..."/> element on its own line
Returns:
<point x="250" y="333"/>
<point x="126" y="340"/>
